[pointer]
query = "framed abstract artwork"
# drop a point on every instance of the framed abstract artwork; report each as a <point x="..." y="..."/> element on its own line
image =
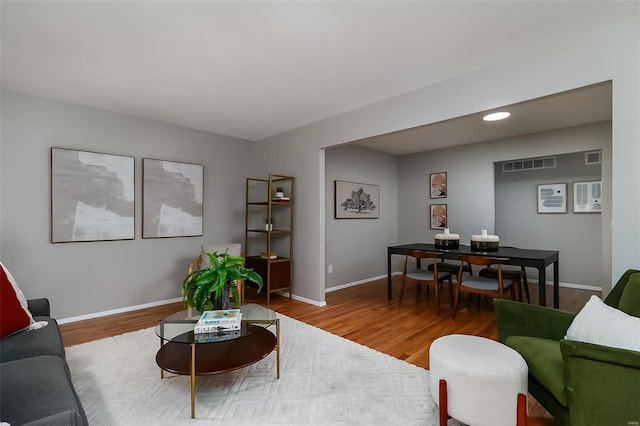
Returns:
<point x="552" y="198"/>
<point x="438" y="185"/>
<point x="172" y="199"/>
<point x="92" y="196"/>
<point x="356" y="200"/>
<point x="587" y="197"/>
<point x="438" y="216"/>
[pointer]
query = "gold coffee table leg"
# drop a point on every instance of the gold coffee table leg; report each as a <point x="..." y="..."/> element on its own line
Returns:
<point x="193" y="381"/>
<point x="161" y="370"/>
<point x="277" y="348"/>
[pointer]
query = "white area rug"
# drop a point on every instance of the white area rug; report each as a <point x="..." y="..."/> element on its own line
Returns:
<point x="324" y="380"/>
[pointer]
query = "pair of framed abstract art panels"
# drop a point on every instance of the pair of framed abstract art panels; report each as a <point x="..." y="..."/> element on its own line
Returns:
<point x="93" y="197"/>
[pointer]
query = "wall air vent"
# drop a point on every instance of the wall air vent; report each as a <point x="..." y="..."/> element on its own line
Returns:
<point x="529" y="164"/>
<point x="593" y="157"/>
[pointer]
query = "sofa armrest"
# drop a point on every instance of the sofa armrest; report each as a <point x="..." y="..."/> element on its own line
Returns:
<point x="39" y="307"/>
<point x="602" y="383"/>
<point x="522" y="319"/>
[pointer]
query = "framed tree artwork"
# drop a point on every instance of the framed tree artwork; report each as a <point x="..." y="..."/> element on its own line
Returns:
<point x="356" y="200"/>
<point x="438" y="185"/>
<point x="92" y="196"/>
<point x="438" y="216"/>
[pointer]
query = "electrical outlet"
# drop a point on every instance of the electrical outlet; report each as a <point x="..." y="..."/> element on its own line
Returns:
<point x="330" y="269"/>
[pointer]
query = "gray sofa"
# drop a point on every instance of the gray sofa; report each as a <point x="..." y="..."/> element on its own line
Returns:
<point x="35" y="382"/>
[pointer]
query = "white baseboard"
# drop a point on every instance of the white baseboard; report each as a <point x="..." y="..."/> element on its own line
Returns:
<point x="549" y="283"/>
<point x="302" y="299"/>
<point x="164" y="302"/>
<point x="355" y="283"/>
<point x="118" y="311"/>
<point x="577" y="286"/>
<point x="283" y="293"/>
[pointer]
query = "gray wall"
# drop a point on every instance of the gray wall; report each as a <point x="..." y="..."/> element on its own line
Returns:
<point x="152" y="270"/>
<point x="470" y="199"/>
<point x="90" y="277"/>
<point x="577" y="236"/>
<point x="611" y="53"/>
<point x="356" y="248"/>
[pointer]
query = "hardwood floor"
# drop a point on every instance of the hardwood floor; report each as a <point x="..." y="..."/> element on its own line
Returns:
<point x="361" y="314"/>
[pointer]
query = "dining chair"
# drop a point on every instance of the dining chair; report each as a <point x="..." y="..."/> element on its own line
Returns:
<point x="511" y="272"/>
<point x="451" y="267"/>
<point x="494" y="287"/>
<point x="432" y="278"/>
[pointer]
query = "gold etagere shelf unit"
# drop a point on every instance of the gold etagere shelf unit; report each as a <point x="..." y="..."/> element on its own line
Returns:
<point x="268" y="237"/>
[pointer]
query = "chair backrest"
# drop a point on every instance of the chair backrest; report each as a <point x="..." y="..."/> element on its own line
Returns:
<point x="202" y="260"/>
<point x="481" y="261"/>
<point x="613" y="298"/>
<point x="233" y="249"/>
<point x="421" y="254"/>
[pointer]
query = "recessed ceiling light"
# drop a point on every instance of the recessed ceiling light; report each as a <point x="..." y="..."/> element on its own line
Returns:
<point x="496" y="116"/>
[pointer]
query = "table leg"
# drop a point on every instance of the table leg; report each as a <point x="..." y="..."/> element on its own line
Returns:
<point x="193" y="381"/>
<point x="556" y="284"/>
<point x="278" y="348"/>
<point x="542" y="286"/>
<point x="161" y="370"/>
<point x="389" y="290"/>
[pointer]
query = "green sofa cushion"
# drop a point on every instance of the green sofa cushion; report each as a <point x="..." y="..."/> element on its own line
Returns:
<point x="544" y="359"/>
<point x="630" y="299"/>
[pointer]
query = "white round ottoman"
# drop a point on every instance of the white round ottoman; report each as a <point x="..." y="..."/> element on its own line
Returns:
<point x="483" y="382"/>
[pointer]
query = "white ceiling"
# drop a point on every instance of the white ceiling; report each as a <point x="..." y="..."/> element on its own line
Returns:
<point x="255" y="69"/>
<point x="572" y="108"/>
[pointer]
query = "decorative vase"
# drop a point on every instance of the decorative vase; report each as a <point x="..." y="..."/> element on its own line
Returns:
<point x="223" y="302"/>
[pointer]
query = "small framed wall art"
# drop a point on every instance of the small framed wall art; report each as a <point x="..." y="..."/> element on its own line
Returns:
<point x="587" y="197"/>
<point x="172" y="199"/>
<point x="438" y="185"/>
<point x="92" y="196"/>
<point x="552" y="198"/>
<point x="356" y="200"/>
<point x="438" y="216"/>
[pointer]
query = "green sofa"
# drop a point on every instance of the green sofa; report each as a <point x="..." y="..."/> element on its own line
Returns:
<point x="580" y="384"/>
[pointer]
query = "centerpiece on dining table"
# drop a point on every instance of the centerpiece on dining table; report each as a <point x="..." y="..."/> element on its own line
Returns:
<point x="485" y="242"/>
<point x="447" y="240"/>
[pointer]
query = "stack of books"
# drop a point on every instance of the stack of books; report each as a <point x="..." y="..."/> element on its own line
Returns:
<point x="268" y="255"/>
<point x="217" y="321"/>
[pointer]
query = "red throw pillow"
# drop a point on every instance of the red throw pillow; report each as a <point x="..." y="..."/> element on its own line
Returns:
<point x="13" y="317"/>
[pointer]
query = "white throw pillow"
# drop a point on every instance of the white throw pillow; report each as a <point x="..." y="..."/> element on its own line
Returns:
<point x="601" y="324"/>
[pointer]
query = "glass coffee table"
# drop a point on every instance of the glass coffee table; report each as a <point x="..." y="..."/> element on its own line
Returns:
<point x="186" y="353"/>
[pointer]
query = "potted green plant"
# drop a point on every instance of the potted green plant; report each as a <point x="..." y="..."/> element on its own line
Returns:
<point x="268" y="223"/>
<point x="210" y="288"/>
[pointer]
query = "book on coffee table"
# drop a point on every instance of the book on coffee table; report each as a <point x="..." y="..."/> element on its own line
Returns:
<point x="221" y="316"/>
<point x="220" y="320"/>
<point x="202" y="329"/>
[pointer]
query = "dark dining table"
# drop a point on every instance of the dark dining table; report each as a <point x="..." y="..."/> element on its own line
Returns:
<point x="539" y="259"/>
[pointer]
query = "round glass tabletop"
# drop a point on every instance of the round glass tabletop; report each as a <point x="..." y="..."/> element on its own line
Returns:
<point x="178" y="328"/>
